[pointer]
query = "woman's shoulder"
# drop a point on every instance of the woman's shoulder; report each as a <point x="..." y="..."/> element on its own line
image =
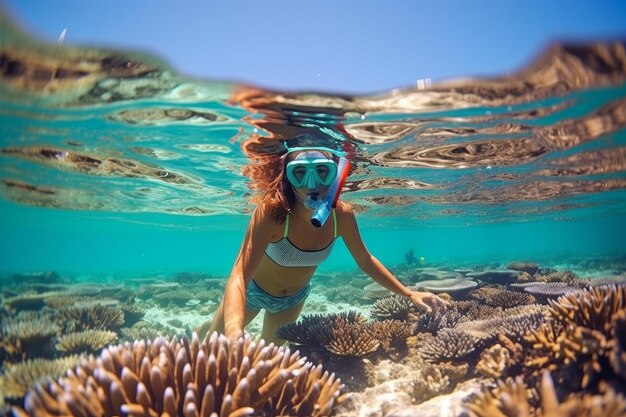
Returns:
<point x="344" y="209"/>
<point x="263" y="218"/>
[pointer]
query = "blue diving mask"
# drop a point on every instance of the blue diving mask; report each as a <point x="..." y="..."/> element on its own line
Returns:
<point x="313" y="169"/>
<point x="311" y="172"/>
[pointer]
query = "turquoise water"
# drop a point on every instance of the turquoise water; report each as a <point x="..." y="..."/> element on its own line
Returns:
<point x="478" y="171"/>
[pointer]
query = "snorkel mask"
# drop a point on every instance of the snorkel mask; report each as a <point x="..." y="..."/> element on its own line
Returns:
<point x="319" y="170"/>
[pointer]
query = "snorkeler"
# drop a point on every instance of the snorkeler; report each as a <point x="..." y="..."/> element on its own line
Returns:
<point x="293" y="230"/>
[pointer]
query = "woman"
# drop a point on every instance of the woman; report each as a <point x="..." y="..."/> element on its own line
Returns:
<point x="282" y="248"/>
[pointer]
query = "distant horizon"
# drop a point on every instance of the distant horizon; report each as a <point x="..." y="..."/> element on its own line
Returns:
<point x="347" y="48"/>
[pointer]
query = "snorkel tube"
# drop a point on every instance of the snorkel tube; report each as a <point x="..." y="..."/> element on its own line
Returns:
<point x="320" y="215"/>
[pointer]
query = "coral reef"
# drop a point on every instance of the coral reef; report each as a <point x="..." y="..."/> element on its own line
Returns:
<point x="392" y="334"/>
<point x="91" y="316"/>
<point x="495" y="276"/>
<point x="511" y="399"/>
<point x="545" y="291"/>
<point x="228" y="378"/>
<point x="433" y="321"/>
<point x="509" y="299"/>
<point x="529" y="267"/>
<point x="351" y="339"/>
<point x="456" y="287"/>
<point x="395" y="307"/>
<point x="448" y="345"/>
<point x="28" y="334"/>
<point x="577" y="343"/>
<point x="494" y="361"/>
<point x="17" y="379"/>
<point x="316" y="330"/>
<point x="85" y="341"/>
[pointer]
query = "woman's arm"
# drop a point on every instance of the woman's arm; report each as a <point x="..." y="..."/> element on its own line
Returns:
<point x="258" y="236"/>
<point x="368" y="263"/>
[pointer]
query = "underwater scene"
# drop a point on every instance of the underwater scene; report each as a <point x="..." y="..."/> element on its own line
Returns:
<point x="123" y="207"/>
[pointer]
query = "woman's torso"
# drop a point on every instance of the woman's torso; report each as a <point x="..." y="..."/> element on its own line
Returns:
<point x="281" y="280"/>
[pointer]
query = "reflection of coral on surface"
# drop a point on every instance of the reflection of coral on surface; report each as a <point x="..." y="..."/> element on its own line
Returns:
<point x="239" y="378"/>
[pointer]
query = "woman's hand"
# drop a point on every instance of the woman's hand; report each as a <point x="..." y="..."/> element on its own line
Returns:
<point x="429" y="301"/>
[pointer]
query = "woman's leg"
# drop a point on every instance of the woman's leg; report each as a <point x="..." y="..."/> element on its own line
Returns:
<point x="217" y="324"/>
<point x="272" y="321"/>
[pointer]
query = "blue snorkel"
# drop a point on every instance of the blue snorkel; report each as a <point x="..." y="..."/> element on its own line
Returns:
<point x="326" y="204"/>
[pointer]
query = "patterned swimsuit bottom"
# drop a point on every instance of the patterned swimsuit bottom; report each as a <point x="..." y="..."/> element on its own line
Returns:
<point x="257" y="298"/>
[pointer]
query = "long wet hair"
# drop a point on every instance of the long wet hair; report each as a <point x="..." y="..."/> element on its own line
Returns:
<point x="268" y="181"/>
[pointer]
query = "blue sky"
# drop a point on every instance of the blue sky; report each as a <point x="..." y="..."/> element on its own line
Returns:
<point x="327" y="45"/>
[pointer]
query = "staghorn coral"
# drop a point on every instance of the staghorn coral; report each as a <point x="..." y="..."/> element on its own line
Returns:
<point x="513" y="322"/>
<point x="511" y="398"/>
<point x="97" y="317"/>
<point x="17" y="379"/>
<point x="316" y="330"/>
<point x="566" y="277"/>
<point x="28" y="334"/>
<point x="617" y="344"/>
<point x="493" y="362"/>
<point x="592" y="308"/>
<point x="395" y="307"/>
<point x="142" y="330"/>
<point x="351" y="339"/>
<point x="392" y="334"/>
<point x="474" y="310"/>
<point x="484" y="294"/>
<point x="578" y="342"/>
<point x="214" y="377"/>
<point x="448" y="345"/>
<point x="433" y="321"/>
<point x="85" y="341"/>
<point x="509" y="299"/>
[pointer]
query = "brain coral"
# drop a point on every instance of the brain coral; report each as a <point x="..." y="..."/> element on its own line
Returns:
<point x="215" y="377"/>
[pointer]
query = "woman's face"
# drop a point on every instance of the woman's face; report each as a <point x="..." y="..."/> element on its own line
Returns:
<point x="311" y="173"/>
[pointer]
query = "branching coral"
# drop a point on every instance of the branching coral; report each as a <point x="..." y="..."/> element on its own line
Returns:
<point x="19" y="378"/>
<point x="509" y="299"/>
<point x="449" y="344"/>
<point x="512" y="399"/>
<point x="28" y="334"/>
<point x="429" y="383"/>
<point x="592" y="308"/>
<point x="316" y="330"/>
<point x="392" y="334"/>
<point x="578" y="341"/>
<point x="238" y="378"/>
<point x="99" y="317"/>
<point x="351" y="339"/>
<point x="434" y="321"/>
<point x="618" y="344"/>
<point x="474" y="310"/>
<point x="86" y="341"/>
<point x="393" y="308"/>
<point x="494" y="361"/>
